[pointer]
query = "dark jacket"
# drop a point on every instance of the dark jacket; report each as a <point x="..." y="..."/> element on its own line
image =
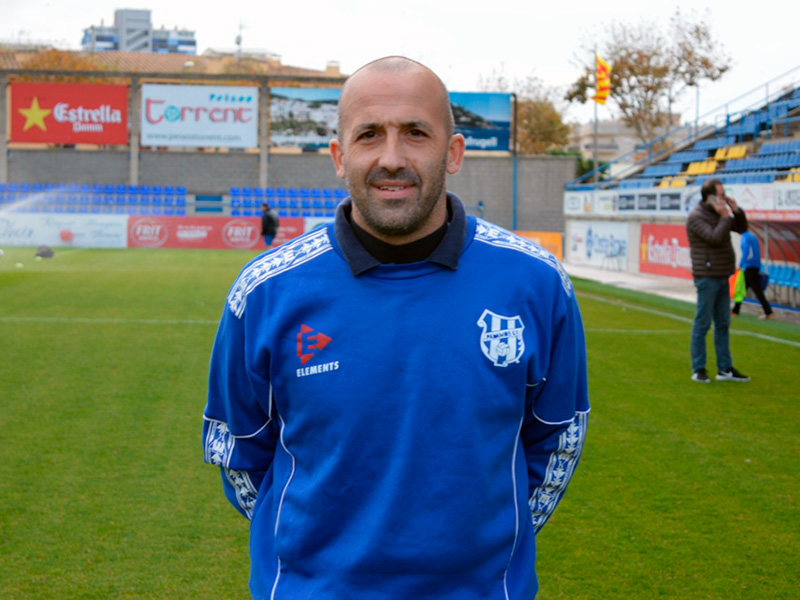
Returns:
<point x="269" y="222"/>
<point x="710" y="240"/>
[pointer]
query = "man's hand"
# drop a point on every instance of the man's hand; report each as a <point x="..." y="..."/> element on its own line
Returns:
<point x="721" y="206"/>
<point x="732" y="203"/>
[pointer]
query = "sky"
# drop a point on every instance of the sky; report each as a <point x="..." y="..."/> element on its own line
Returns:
<point x="463" y="41"/>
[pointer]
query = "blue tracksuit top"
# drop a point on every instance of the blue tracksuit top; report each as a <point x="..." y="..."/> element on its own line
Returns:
<point x="751" y="252"/>
<point x="398" y="431"/>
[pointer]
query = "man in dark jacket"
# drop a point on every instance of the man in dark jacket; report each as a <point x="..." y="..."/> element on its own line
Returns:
<point x="709" y="228"/>
<point x="269" y="224"/>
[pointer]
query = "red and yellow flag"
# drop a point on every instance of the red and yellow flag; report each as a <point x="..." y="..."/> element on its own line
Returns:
<point x="602" y="80"/>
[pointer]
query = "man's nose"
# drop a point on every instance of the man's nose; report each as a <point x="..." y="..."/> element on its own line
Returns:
<point x="392" y="157"/>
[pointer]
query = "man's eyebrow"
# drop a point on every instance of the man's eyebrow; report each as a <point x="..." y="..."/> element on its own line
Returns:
<point x="371" y="126"/>
<point x="366" y="127"/>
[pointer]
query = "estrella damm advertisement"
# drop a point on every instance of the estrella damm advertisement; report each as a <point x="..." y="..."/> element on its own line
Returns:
<point x="69" y="113"/>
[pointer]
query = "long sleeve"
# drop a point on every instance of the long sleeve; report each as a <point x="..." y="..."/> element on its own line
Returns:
<point x="739" y="221"/>
<point x="239" y="433"/>
<point x="716" y="234"/>
<point x="554" y="429"/>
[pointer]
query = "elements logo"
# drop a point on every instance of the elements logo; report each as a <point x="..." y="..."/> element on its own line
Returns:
<point x="306" y="341"/>
<point x="501" y="339"/>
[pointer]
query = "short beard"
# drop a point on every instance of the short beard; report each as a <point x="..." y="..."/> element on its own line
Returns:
<point x="410" y="221"/>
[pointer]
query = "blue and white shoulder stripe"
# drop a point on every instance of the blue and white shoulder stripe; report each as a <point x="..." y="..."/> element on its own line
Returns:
<point x="284" y="258"/>
<point x="493" y="235"/>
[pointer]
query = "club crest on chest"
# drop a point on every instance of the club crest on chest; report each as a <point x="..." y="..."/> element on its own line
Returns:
<point x="501" y="338"/>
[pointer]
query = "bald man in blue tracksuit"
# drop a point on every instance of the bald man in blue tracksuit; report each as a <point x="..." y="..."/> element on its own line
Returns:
<point x="397" y="401"/>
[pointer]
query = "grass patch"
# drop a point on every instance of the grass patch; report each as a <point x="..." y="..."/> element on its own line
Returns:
<point x="684" y="490"/>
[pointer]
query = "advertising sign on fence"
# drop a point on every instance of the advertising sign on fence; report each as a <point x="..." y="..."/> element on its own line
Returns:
<point x="84" y="231"/>
<point x="66" y="113"/>
<point x="549" y="240"/>
<point x="600" y="243"/>
<point x="199" y="116"/>
<point x="236" y="233"/>
<point x="665" y="251"/>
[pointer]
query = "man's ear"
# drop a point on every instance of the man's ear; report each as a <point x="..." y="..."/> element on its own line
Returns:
<point x="337" y="154"/>
<point x="455" y="153"/>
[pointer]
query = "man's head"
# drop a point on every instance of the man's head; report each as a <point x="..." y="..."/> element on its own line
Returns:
<point x="712" y="187"/>
<point x="394" y="148"/>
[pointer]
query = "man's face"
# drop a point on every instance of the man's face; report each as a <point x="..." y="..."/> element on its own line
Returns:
<point x="720" y="191"/>
<point x="394" y="151"/>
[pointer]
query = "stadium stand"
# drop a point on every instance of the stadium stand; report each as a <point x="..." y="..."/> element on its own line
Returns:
<point x="288" y="202"/>
<point x="93" y="198"/>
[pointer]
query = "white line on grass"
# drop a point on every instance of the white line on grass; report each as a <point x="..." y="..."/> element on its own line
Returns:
<point x="661" y="313"/>
<point x="106" y="321"/>
<point x="637" y="331"/>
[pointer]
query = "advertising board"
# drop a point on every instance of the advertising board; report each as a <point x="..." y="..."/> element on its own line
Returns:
<point x="199" y="116"/>
<point x="664" y="250"/>
<point x="236" y="233"/>
<point x="67" y="113"/>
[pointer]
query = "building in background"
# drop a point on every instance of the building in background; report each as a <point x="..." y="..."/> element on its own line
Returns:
<point x="614" y="140"/>
<point x="133" y="32"/>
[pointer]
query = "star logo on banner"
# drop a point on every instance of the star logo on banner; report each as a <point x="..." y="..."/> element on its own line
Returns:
<point x="35" y="115"/>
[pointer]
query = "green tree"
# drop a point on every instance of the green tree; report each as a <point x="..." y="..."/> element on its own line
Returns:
<point x="540" y="124"/>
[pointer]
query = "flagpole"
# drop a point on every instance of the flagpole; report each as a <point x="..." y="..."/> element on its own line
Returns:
<point x="594" y="146"/>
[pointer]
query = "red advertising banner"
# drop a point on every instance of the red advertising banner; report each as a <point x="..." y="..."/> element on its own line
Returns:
<point x="665" y="251"/>
<point x="237" y="233"/>
<point x="69" y="113"/>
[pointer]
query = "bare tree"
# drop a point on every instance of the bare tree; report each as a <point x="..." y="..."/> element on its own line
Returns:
<point x="696" y="55"/>
<point x="651" y="68"/>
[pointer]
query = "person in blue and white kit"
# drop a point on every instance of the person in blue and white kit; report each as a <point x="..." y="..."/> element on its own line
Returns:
<point x="751" y="263"/>
<point x="397" y="401"/>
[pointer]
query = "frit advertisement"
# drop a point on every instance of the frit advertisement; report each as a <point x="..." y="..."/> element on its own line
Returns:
<point x="236" y="233"/>
<point x="199" y="116"/>
<point x="62" y="113"/>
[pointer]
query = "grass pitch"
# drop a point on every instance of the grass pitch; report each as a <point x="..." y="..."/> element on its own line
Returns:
<point x="684" y="490"/>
